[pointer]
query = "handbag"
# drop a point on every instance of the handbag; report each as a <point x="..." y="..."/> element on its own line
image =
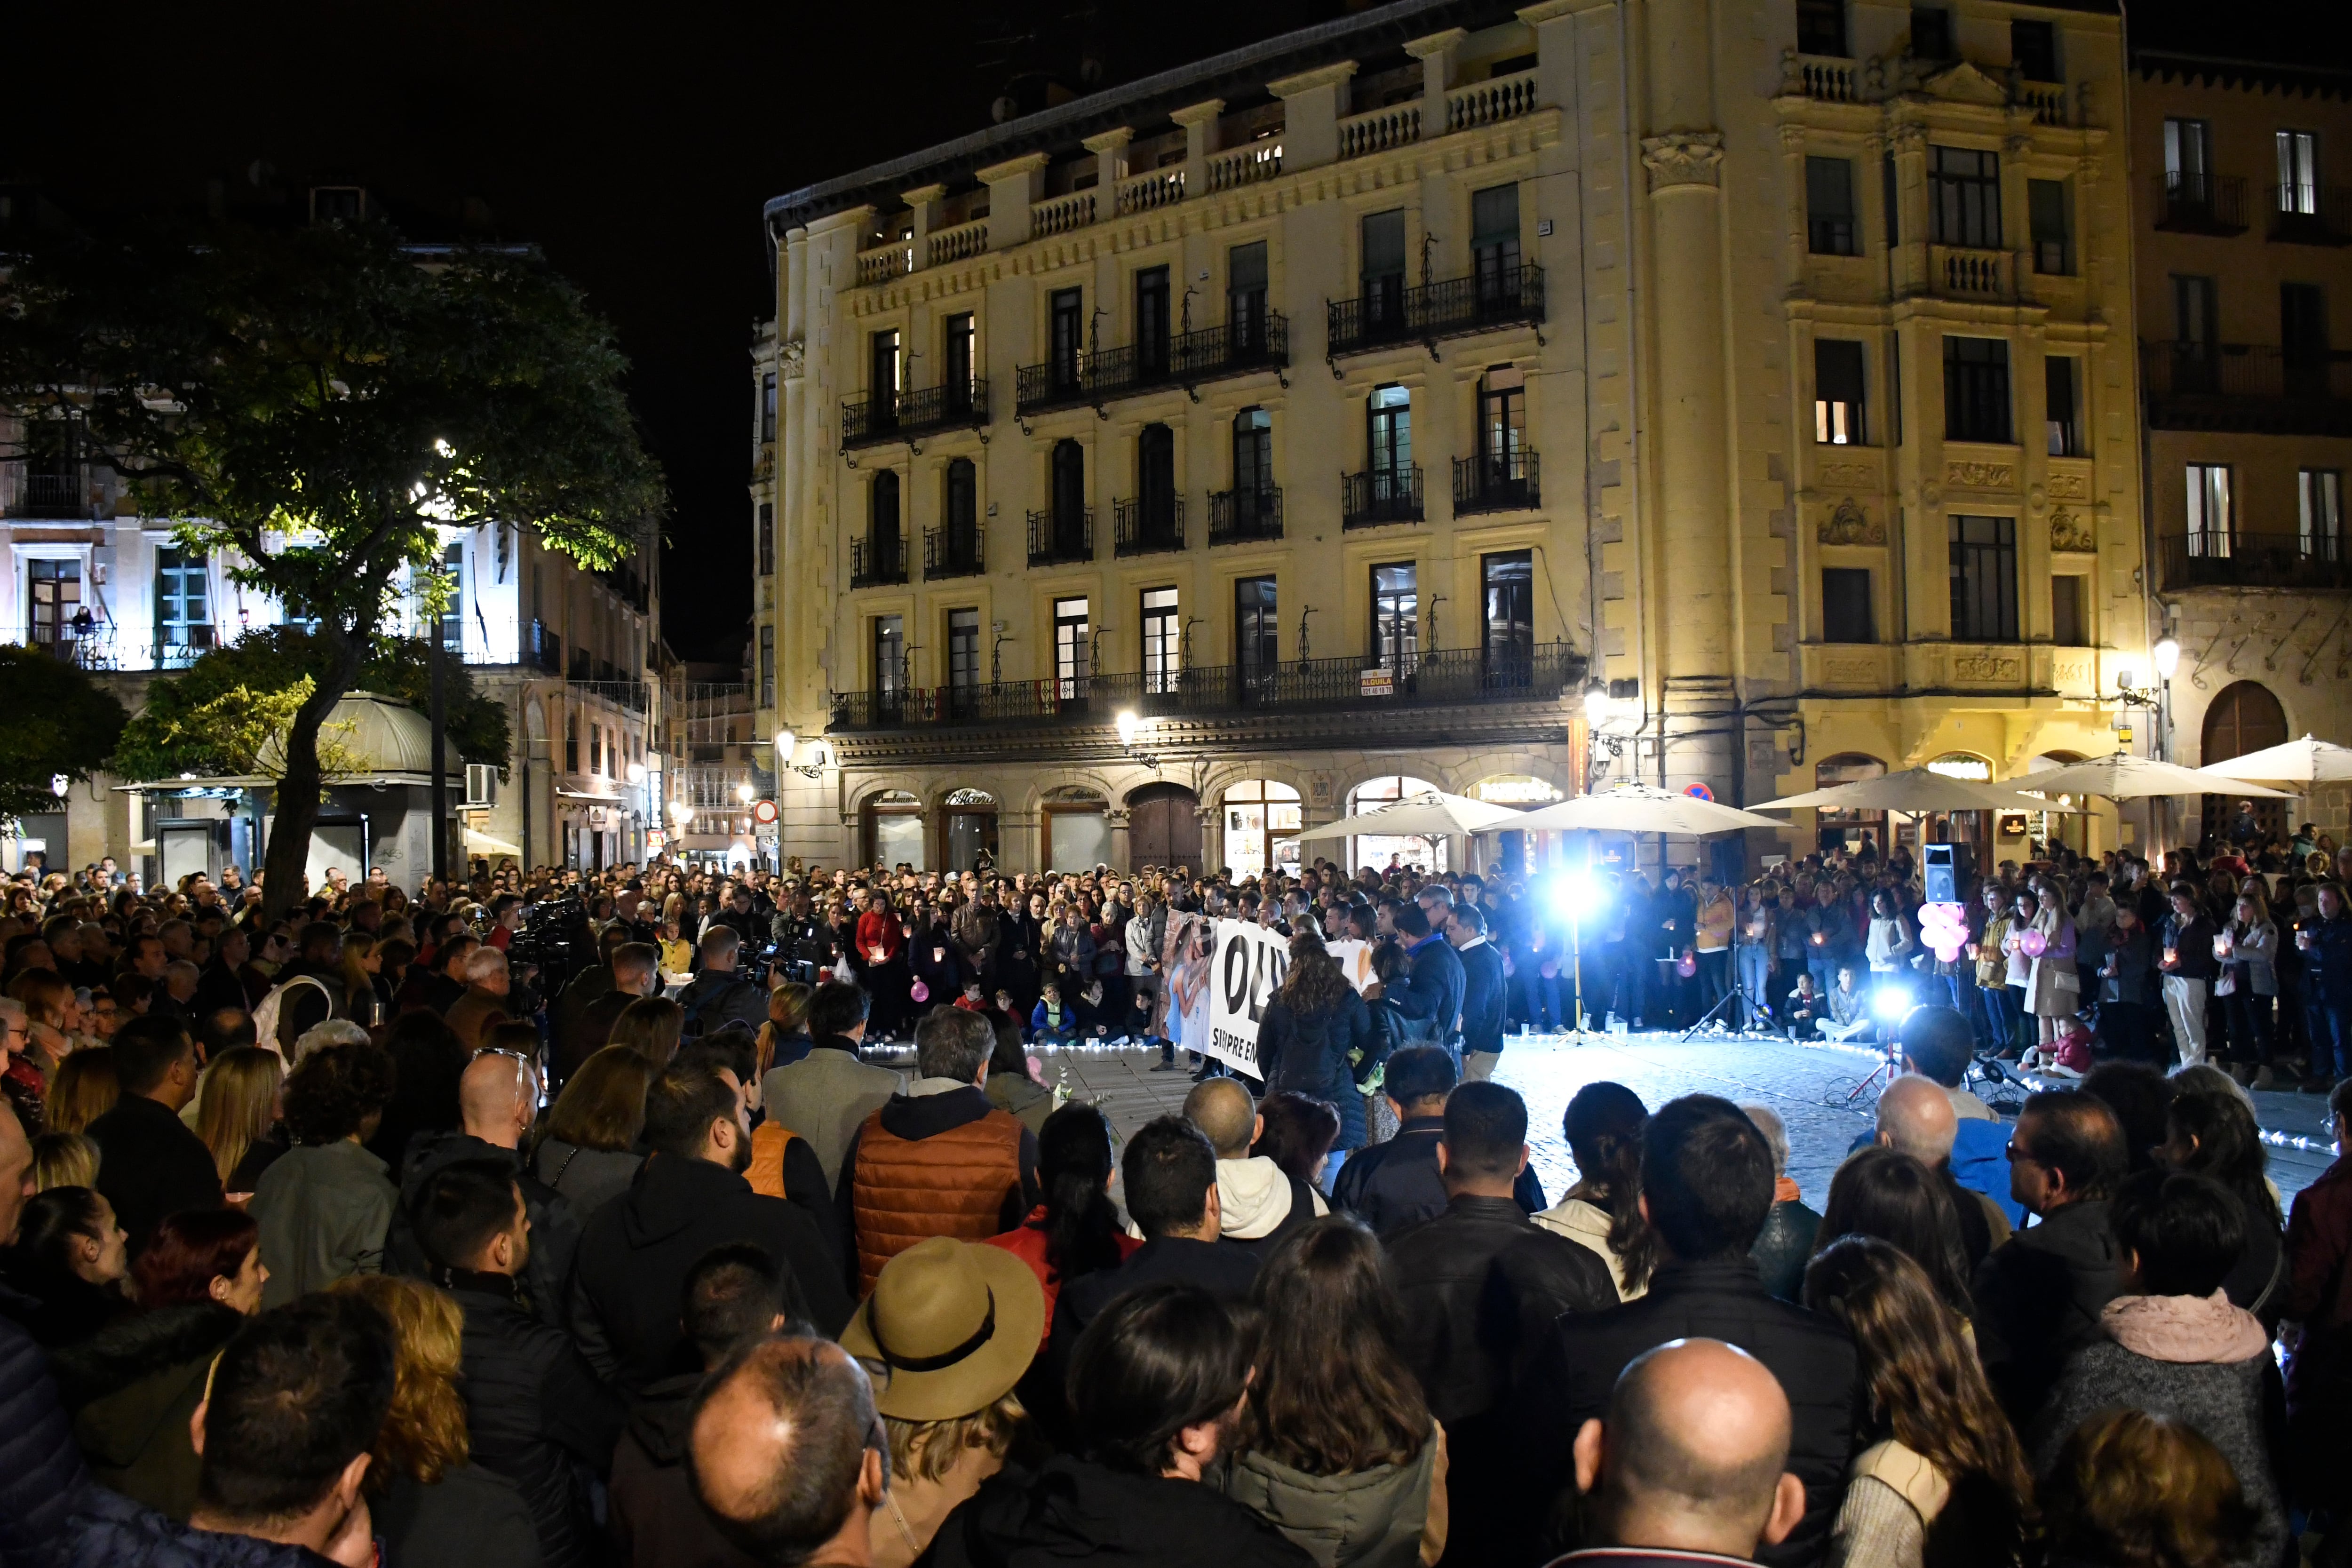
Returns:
<point x="2227" y="984"/>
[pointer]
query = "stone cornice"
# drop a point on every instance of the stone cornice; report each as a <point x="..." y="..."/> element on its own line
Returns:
<point x="1334" y="75"/>
<point x="1013" y="168"/>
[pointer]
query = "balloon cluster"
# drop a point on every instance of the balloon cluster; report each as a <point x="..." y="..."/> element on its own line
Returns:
<point x="1945" y="929"/>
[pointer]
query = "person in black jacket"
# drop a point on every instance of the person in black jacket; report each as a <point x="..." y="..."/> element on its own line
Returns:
<point x="40" y="1468"/>
<point x="1480" y="1285"/>
<point x="721" y="995"/>
<point x="1157" y="1385"/>
<point x="151" y="1163"/>
<point x="1706" y="1183"/>
<point x="1431" y="996"/>
<point x="687" y="1198"/>
<point x="1393" y="1185"/>
<point x="1317" y="1040"/>
<point x="1482" y="991"/>
<point x="533" y="1404"/>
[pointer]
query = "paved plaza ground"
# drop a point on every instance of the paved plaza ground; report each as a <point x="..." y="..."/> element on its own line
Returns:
<point x="1808" y="1085"/>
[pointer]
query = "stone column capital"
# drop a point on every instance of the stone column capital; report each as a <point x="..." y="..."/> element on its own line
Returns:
<point x="1199" y="113"/>
<point x="1683" y="158"/>
<point x="1014" y="168"/>
<point x="1435" y="43"/>
<point x="1109" y="140"/>
<point x="1334" y="75"/>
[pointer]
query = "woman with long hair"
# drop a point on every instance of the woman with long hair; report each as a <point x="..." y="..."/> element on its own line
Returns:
<point x="429" y="1500"/>
<point x="237" y="1115"/>
<point x="1010" y="1088"/>
<point x="1316" y="1038"/>
<point x="589" y="1152"/>
<point x="1331" y="1400"/>
<point x="1297" y="1136"/>
<point x="650" y="1025"/>
<point x="84" y="1089"/>
<point x="202" y="1255"/>
<point x="1890" y="1196"/>
<point x="2216" y="1135"/>
<point x="785" y="1038"/>
<point x="1941" y="1479"/>
<point x="2131" y="1486"/>
<point x="2249" y="986"/>
<point x="72" y="1258"/>
<point x="1076" y="1230"/>
<point x="1603" y="1211"/>
<point x="365" y="997"/>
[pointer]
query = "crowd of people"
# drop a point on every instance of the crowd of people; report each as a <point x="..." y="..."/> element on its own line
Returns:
<point x="371" y="1233"/>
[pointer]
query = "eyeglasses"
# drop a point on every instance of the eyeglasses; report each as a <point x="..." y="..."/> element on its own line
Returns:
<point x="2017" y="1156"/>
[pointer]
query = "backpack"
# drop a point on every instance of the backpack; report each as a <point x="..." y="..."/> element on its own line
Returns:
<point x="694" y="1026"/>
<point x="265" y="1017"/>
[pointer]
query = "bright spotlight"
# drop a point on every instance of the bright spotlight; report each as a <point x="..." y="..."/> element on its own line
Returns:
<point x="1579" y="895"/>
<point x="1891" y="1004"/>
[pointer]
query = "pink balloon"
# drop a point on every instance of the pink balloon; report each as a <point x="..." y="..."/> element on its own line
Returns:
<point x="920" y="992"/>
<point x="2034" y="944"/>
<point x="1949" y="951"/>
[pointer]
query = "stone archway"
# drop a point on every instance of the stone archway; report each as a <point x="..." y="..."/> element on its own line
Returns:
<point x="2243" y="717"/>
<point x="1163" y="827"/>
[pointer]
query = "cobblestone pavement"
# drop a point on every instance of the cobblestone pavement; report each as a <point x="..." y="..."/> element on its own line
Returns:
<point x="1808" y="1085"/>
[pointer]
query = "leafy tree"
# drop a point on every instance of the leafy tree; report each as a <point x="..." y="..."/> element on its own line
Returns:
<point x="213" y="717"/>
<point x="316" y="404"/>
<point x="56" y="720"/>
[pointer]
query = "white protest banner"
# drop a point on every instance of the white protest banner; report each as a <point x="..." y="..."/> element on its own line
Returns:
<point x="1244" y="975"/>
<point x="1355" y="961"/>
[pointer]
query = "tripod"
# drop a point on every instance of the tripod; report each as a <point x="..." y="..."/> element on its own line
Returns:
<point x="1890" y="1064"/>
<point x="1735" y="994"/>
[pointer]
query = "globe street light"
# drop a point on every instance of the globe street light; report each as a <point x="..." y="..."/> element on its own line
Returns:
<point x="2166" y="653"/>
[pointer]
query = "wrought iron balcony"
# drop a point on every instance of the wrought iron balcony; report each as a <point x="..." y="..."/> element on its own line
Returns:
<point x="1483" y="301"/>
<point x="1496" y="481"/>
<point x="2311" y="214"/>
<point x="1239" y="516"/>
<point x="1187" y="359"/>
<point x="2200" y="204"/>
<point x="1542" y="672"/>
<point x="2247" y="387"/>
<point x="1379" y="495"/>
<point x="1147" y="528"/>
<point x="56" y="494"/>
<point x="542" y="648"/>
<point x="1061" y="537"/>
<point x="870" y="421"/>
<point x="2243" y="560"/>
<point x="955" y="551"/>
<point x="877" y="560"/>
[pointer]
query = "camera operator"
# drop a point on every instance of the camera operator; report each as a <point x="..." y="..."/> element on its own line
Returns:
<point x="802" y="943"/>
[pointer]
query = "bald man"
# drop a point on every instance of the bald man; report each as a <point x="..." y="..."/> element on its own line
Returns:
<point x="787" y="1453"/>
<point x="1916" y="1117"/>
<point x="1687" y="1465"/>
<point x="498" y="1096"/>
<point x="1259" y="1201"/>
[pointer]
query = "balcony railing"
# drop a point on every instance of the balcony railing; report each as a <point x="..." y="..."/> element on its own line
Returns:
<point x="956" y="551"/>
<point x="542" y="648"/>
<point x="2311" y="214"/>
<point x="868" y="421"/>
<point x="1496" y="481"/>
<point x="1452" y="678"/>
<point x="1241" y="515"/>
<point x="1187" y="359"/>
<point x="1829" y="78"/>
<point x="632" y="695"/>
<point x="55" y="495"/>
<point x="1379" y="495"/>
<point x="1968" y="273"/>
<point x="1060" y="536"/>
<point x="1141" y="528"/>
<point x="1450" y="307"/>
<point x="2200" y="204"/>
<point x="2247" y="387"/>
<point x="2244" y="560"/>
<point x="874" y="562"/>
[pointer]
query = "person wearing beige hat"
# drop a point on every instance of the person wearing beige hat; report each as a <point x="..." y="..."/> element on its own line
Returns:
<point x="949" y="1329"/>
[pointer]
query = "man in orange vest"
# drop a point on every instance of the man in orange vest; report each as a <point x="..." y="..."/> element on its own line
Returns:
<point x="938" y="1160"/>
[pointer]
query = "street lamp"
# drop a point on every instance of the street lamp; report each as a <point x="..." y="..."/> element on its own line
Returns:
<point x="1129" y="726"/>
<point x="1596" y="703"/>
<point x="681" y="813"/>
<point x="2166" y="653"/>
<point x="637" y="772"/>
<point x="744" y="792"/>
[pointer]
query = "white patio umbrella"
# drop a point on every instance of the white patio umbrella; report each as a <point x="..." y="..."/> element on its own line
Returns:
<point x="482" y="843"/>
<point x="2125" y="777"/>
<point x="2298" y="761"/>
<point x="1427" y="814"/>
<point x="1639" y="808"/>
<point x="1914" y="790"/>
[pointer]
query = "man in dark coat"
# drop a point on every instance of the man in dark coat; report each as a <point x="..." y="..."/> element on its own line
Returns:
<point x="1480" y="1286"/>
<point x="151" y="1163"/>
<point x="687" y="1198"/>
<point x="1482" y="991"/>
<point x="586" y="1027"/>
<point x="2039" y="1293"/>
<point x="533" y="1405"/>
<point x="1393" y="1184"/>
<point x="1429" y="996"/>
<point x="720" y="994"/>
<point x="40" y="1468"/>
<point x="1706" y="1183"/>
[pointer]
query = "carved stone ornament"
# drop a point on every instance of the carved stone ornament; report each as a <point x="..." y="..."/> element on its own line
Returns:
<point x="1968" y="474"/>
<point x="1984" y="666"/>
<point x="2070" y="486"/>
<point x="2071" y="534"/>
<point x="792" y="358"/>
<point x="1854" y="474"/>
<point x="1847" y="523"/>
<point x="1683" y="158"/>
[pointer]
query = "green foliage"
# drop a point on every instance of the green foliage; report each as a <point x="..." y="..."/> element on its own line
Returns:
<point x="53" y="720"/>
<point x="212" y="719"/>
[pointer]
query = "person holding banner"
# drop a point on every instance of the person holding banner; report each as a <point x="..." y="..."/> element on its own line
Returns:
<point x="1315" y="1038"/>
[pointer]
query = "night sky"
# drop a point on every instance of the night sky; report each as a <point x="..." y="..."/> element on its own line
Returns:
<point x="635" y="144"/>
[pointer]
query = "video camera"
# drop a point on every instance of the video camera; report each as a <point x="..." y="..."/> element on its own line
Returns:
<point x="554" y="936"/>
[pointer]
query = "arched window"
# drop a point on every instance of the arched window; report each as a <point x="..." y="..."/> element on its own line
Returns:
<point x="2244" y="717"/>
<point x="1848" y="829"/>
<point x="1377" y="849"/>
<point x="894" y="830"/>
<point x="1262" y="823"/>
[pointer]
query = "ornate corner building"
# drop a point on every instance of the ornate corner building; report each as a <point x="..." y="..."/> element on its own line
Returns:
<point x="1507" y="399"/>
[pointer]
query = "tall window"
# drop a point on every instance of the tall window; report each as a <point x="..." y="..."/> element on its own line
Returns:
<point x="1151" y="329"/>
<point x="2053" y="239"/>
<point x="768" y="407"/>
<point x="882" y="382"/>
<point x="1383" y="275"/>
<point x="1257" y="630"/>
<point x="1837" y="392"/>
<point x="1253" y="464"/>
<point x="1964" y="197"/>
<point x="882" y="516"/>
<point x="1975" y="389"/>
<point x="1069" y="497"/>
<point x="1821" y="28"/>
<point x="1067" y="314"/>
<point x="2319" y="496"/>
<point x="1155" y="480"/>
<point x="961" y="514"/>
<point x="767" y="543"/>
<point x="2210" y="518"/>
<point x="1508" y="617"/>
<point x="1984" y="579"/>
<point x="1503" y="423"/>
<point x="1931" y="34"/>
<point x="2298" y="173"/>
<point x="1495" y="243"/>
<point x="1396" y="615"/>
<point x="1845" y="605"/>
<point x="1830" y="227"/>
<point x="54" y="589"/>
<point x="571" y="742"/>
<point x="964" y="651"/>
<point x="183" y="614"/>
<point x="1163" y="640"/>
<point x="2062" y="406"/>
<point x="2303" y="321"/>
<point x="2069" y="625"/>
<point x="2034" y="47"/>
<point x="955" y="359"/>
<point x="1073" y="649"/>
<point x="1246" y="296"/>
<point x="1389" y="437"/>
<point x="890" y="658"/>
<point x="768" y="665"/>
<point x="2189" y="160"/>
<point x="452" y="612"/>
